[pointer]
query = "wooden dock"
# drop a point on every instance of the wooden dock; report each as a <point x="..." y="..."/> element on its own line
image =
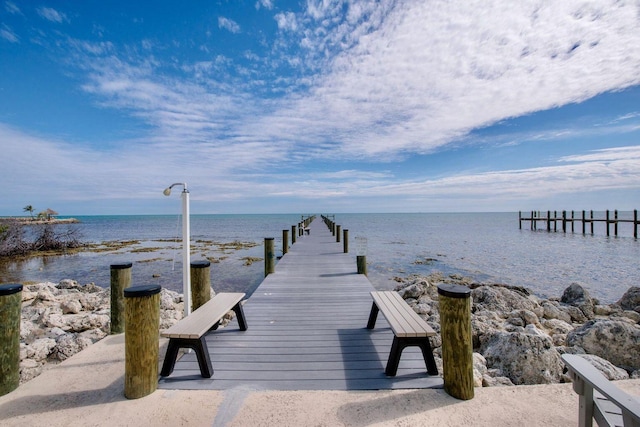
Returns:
<point x="307" y="331"/>
<point x="565" y="220"/>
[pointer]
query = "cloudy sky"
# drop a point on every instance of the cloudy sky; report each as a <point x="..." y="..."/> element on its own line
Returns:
<point x="274" y="106"/>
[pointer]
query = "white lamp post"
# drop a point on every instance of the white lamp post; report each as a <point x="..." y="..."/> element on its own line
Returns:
<point x="186" y="249"/>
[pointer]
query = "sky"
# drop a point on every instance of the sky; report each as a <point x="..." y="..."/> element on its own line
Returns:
<point x="319" y="106"/>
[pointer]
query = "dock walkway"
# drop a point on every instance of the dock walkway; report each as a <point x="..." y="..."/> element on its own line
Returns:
<point x="307" y="331"/>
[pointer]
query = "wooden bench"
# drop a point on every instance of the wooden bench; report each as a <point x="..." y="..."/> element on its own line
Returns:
<point x="190" y="331"/>
<point x="599" y="398"/>
<point x="408" y="329"/>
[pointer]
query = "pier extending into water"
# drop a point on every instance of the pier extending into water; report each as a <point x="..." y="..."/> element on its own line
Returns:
<point x="306" y="331"/>
<point x="565" y="220"/>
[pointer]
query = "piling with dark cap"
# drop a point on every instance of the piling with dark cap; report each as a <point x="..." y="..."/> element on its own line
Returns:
<point x="200" y="283"/>
<point x="269" y="256"/>
<point x="10" y="309"/>
<point x="457" y="344"/>
<point x="142" y="335"/>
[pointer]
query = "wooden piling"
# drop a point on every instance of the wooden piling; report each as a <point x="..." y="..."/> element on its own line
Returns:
<point x="584" y="217"/>
<point x="361" y="262"/>
<point x="457" y="345"/>
<point x="293" y="234"/>
<point x="345" y="241"/>
<point x="10" y="310"/>
<point x="285" y="241"/>
<point x="635" y="223"/>
<point x="269" y="256"/>
<point x="142" y="323"/>
<point x="200" y="283"/>
<point x="608" y="222"/>
<point x="615" y="224"/>
<point x="338" y="231"/>
<point x="120" y="279"/>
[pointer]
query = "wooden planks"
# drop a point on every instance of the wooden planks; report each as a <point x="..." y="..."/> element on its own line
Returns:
<point x="404" y="323"/>
<point x="307" y="331"/>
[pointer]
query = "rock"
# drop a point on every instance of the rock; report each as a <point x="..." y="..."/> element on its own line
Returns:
<point x="412" y="291"/>
<point x="614" y="340"/>
<point x="29" y="369"/>
<point x="501" y="300"/>
<point x="552" y="311"/>
<point x="489" y="381"/>
<point x="69" y="344"/>
<point x="71" y="306"/>
<point x="575" y="314"/>
<point x="524" y="358"/>
<point x="40" y="349"/>
<point x="631" y="299"/>
<point x="634" y="316"/>
<point x="608" y="369"/>
<point x="479" y="369"/>
<point x="577" y="296"/>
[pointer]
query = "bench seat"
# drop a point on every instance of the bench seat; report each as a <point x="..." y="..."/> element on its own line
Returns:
<point x="190" y="332"/>
<point x="409" y="329"/>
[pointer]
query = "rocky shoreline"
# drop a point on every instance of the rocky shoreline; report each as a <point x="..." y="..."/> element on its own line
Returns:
<point x="517" y="337"/>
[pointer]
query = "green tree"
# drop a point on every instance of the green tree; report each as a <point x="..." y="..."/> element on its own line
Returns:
<point x="30" y="209"/>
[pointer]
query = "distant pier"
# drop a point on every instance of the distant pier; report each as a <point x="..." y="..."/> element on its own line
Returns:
<point x="551" y="221"/>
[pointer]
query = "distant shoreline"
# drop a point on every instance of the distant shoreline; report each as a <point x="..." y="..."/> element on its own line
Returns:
<point x="35" y="221"/>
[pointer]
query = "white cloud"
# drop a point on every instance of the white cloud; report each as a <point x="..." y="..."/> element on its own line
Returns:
<point x="267" y="4"/>
<point x="12" y="8"/>
<point x="52" y="15"/>
<point x="228" y="24"/>
<point x="286" y="21"/>
<point x="8" y="34"/>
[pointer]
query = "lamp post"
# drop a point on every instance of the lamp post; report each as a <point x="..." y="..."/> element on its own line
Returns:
<point x="186" y="249"/>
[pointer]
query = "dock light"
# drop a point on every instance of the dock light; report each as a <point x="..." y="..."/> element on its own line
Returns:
<point x="186" y="250"/>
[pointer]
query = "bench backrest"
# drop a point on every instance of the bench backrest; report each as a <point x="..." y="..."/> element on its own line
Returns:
<point x="200" y="321"/>
<point x="610" y="405"/>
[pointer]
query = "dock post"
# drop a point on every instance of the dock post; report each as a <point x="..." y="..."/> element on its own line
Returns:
<point x="457" y="343"/>
<point x="142" y="335"/>
<point x="338" y="231"/>
<point x="591" y="214"/>
<point x="200" y="283"/>
<point x="361" y="262"/>
<point x="520" y="220"/>
<point x="607" y="221"/>
<point x="615" y="224"/>
<point x="269" y="256"/>
<point x="548" y="221"/>
<point x="555" y="221"/>
<point x="285" y="241"/>
<point x="564" y="221"/>
<point x="293" y="234"/>
<point x="583" y="221"/>
<point x="635" y="223"/>
<point x="572" y="221"/>
<point x="345" y="241"/>
<point x="10" y="309"/>
<point x="120" y="280"/>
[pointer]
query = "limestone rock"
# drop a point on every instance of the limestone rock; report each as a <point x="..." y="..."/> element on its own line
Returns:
<point x="577" y="296"/>
<point x="614" y="340"/>
<point x="631" y="299"/>
<point x="501" y="299"/>
<point x="608" y="369"/>
<point x="524" y="358"/>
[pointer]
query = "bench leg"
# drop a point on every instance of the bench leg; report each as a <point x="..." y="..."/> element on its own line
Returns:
<point x="200" y="348"/>
<point x="242" y="322"/>
<point x="170" y="358"/>
<point x="400" y="344"/>
<point x="373" y="316"/>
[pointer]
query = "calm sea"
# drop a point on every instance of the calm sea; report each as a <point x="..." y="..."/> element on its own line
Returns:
<point x="486" y="246"/>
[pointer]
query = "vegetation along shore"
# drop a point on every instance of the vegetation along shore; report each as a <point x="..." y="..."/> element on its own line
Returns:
<point x="518" y="337"/>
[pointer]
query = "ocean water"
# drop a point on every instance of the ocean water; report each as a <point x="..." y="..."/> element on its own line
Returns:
<point x="488" y="247"/>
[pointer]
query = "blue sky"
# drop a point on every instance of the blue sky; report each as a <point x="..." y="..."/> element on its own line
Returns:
<point x="272" y="106"/>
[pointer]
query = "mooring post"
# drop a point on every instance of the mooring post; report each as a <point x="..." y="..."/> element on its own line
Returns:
<point x="338" y="231"/>
<point x="584" y="217"/>
<point x="635" y="223"/>
<point x="607" y="221"/>
<point x="520" y="220"/>
<point x="564" y="221"/>
<point x="591" y="215"/>
<point x="293" y="234"/>
<point x="549" y="221"/>
<point x="615" y="224"/>
<point x="457" y="345"/>
<point x="572" y="221"/>
<point x="10" y="310"/>
<point x="200" y="283"/>
<point x="120" y="280"/>
<point x="345" y="241"/>
<point x="285" y="241"/>
<point x="269" y="256"/>
<point x="142" y="335"/>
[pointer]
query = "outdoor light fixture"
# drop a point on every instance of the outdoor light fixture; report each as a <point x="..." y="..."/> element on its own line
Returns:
<point x="186" y="249"/>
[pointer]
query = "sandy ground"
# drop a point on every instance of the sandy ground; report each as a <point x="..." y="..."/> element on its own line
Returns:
<point x="88" y="390"/>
